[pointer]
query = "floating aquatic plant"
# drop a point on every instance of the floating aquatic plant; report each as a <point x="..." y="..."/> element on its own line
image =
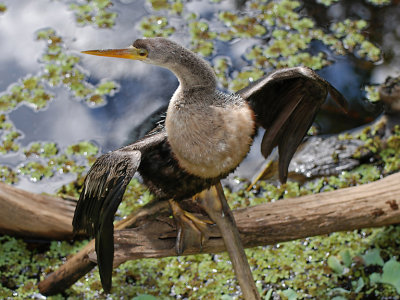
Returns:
<point x="94" y="12"/>
<point x="8" y="175"/>
<point x="21" y="266"/>
<point x="8" y="142"/>
<point x="5" y="124"/>
<point x="350" y="32"/>
<point x="62" y="68"/>
<point x="243" y="78"/>
<point x="390" y="274"/>
<point x="29" y="90"/>
<point x="222" y="66"/>
<point x="240" y="27"/>
<point x="53" y="161"/>
<point x="156" y="26"/>
<point x="201" y="37"/>
<point x="172" y="6"/>
<point x="44" y="150"/>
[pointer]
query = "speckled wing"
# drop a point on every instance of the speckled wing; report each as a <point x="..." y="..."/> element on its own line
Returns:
<point x="285" y="103"/>
<point x="102" y="193"/>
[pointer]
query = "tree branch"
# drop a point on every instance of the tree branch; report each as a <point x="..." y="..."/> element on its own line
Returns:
<point x="34" y="215"/>
<point x="370" y="205"/>
<point x="153" y="233"/>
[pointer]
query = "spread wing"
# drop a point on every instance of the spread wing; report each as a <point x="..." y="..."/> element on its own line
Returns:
<point x="285" y="103"/>
<point x="102" y="193"/>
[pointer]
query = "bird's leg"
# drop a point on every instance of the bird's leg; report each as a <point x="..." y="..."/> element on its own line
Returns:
<point x="191" y="230"/>
<point x="214" y="203"/>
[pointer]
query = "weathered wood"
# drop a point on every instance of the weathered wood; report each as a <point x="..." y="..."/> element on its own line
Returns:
<point x="370" y="205"/>
<point x="27" y="214"/>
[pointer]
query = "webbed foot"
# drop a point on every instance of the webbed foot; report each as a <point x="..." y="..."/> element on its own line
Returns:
<point x="191" y="230"/>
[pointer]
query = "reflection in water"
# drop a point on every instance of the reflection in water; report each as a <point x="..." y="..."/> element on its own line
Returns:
<point x="144" y="89"/>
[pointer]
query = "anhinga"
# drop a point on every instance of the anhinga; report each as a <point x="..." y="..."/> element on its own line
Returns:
<point x="205" y="136"/>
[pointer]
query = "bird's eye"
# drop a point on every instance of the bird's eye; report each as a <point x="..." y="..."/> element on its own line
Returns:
<point x="142" y="52"/>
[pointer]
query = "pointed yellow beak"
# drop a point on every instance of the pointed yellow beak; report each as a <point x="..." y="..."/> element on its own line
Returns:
<point x="128" y="53"/>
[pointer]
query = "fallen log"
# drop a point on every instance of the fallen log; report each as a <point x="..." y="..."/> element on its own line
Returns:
<point x="370" y="205"/>
<point x="26" y="214"/>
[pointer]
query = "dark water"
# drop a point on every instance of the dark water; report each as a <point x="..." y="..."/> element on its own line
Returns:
<point x="145" y="89"/>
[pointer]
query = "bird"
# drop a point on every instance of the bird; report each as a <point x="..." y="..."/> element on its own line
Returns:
<point x="206" y="134"/>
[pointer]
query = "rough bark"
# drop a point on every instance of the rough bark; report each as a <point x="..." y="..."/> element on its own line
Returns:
<point x="27" y="214"/>
<point x="153" y="233"/>
<point x="370" y="205"/>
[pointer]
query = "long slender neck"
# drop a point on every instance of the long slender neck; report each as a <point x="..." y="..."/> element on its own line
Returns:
<point x="207" y="139"/>
<point x="192" y="71"/>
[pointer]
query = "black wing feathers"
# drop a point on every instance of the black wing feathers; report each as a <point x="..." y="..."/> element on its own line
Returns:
<point x="102" y="193"/>
<point x="99" y="183"/>
<point x="104" y="186"/>
<point x="285" y="104"/>
<point x="291" y="100"/>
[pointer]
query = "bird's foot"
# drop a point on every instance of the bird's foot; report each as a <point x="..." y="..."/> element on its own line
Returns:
<point x="191" y="230"/>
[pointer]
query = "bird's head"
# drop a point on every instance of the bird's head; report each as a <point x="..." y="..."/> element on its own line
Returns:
<point x="190" y="69"/>
<point x="156" y="51"/>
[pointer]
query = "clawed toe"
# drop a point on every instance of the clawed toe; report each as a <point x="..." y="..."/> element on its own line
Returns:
<point x="192" y="231"/>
